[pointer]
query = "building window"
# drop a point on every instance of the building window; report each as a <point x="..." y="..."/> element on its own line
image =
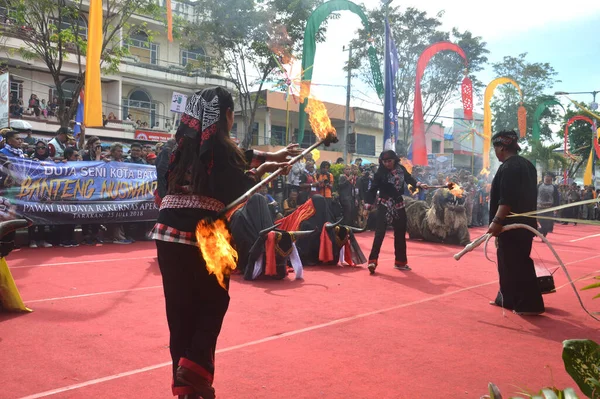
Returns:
<point x="196" y="54"/>
<point x="140" y="46"/>
<point x="141" y="108"/>
<point x="67" y="24"/>
<point x="69" y="86"/>
<point x="8" y="15"/>
<point x="16" y="90"/>
<point x="436" y="146"/>
<point x="255" y="133"/>
<point x="365" y="144"/>
<point x="308" y="139"/>
<point x="278" y="135"/>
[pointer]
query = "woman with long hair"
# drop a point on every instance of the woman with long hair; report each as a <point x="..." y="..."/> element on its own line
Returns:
<point x="389" y="181"/>
<point x="207" y="171"/>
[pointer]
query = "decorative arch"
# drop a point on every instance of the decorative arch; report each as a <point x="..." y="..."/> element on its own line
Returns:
<point x="487" y="116"/>
<point x="313" y="24"/>
<point x="419" y="142"/>
<point x="596" y="146"/>
<point x="538" y="114"/>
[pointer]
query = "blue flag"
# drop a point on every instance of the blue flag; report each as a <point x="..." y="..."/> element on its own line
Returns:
<point x="390" y="128"/>
<point x="78" y="117"/>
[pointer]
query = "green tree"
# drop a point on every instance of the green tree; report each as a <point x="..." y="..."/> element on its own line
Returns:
<point x="534" y="79"/>
<point x="54" y="31"/>
<point x="413" y="31"/>
<point x="245" y="35"/>
<point x="546" y="156"/>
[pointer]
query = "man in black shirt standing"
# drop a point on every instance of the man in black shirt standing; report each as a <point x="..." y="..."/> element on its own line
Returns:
<point x="514" y="190"/>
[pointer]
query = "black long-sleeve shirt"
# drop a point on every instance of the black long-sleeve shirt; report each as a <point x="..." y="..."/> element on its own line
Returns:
<point x="389" y="184"/>
<point x="515" y="185"/>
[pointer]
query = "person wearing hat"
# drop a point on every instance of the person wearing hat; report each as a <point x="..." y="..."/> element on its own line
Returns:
<point x="57" y="146"/>
<point x="547" y="198"/>
<point x="389" y="181"/>
<point x="151" y="158"/>
<point x="514" y="190"/>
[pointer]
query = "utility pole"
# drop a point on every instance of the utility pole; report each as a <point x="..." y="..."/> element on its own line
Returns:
<point x="347" y="119"/>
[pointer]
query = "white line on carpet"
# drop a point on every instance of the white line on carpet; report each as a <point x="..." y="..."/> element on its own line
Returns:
<point x="92" y="294"/>
<point x="585" y="238"/>
<point x="267" y="339"/>
<point x="256" y="342"/>
<point x="81" y="262"/>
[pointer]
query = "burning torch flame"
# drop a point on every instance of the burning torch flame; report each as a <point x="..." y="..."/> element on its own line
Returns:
<point x="220" y="257"/>
<point x="317" y="114"/>
<point x="407" y="164"/>
<point x="455" y="190"/>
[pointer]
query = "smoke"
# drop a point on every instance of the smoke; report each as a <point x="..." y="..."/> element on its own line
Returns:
<point x="279" y="43"/>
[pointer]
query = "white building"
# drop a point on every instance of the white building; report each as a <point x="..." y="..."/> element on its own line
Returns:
<point x="142" y="89"/>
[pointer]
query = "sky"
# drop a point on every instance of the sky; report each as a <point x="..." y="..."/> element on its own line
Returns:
<point x="566" y="35"/>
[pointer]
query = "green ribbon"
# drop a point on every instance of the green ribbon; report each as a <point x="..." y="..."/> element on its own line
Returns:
<point x="538" y="114"/>
<point x="318" y="16"/>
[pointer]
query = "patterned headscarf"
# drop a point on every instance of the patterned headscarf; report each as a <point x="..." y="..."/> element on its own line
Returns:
<point x="507" y="139"/>
<point x="200" y="118"/>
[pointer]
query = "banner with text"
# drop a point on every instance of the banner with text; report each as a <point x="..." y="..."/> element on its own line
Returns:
<point x="51" y="193"/>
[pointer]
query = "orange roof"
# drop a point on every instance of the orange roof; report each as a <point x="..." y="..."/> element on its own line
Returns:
<point x="277" y="100"/>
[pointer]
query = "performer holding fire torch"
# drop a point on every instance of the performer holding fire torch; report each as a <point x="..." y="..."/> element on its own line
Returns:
<point x="514" y="190"/>
<point x="389" y="181"/>
<point x="207" y="171"/>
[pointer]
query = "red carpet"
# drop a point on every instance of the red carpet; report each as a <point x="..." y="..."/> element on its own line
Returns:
<point x="99" y="330"/>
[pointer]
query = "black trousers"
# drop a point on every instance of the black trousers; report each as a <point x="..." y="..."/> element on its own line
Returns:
<point x="196" y="305"/>
<point x="519" y="289"/>
<point x="399" y="226"/>
<point x="347" y="208"/>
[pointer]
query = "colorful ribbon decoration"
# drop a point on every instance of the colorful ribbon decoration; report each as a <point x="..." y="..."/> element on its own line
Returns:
<point x="419" y="141"/>
<point x="487" y="116"/>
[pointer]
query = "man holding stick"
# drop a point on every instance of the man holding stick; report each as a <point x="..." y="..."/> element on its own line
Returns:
<point x="514" y="190"/>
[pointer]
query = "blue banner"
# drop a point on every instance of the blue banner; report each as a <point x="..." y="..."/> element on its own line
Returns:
<point x="51" y="193"/>
<point x="390" y="125"/>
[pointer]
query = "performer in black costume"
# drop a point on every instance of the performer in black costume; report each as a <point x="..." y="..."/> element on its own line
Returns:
<point x="389" y="180"/>
<point x="308" y="247"/>
<point x="514" y="189"/>
<point x="206" y="172"/>
<point x="246" y="223"/>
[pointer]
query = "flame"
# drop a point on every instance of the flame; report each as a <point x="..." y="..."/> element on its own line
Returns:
<point x="407" y="164"/>
<point x="455" y="189"/>
<point x="412" y="189"/>
<point x="214" y="242"/>
<point x="317" y="114"/>
<point x="484" y="172"/>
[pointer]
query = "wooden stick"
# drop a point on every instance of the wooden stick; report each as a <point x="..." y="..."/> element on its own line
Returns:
<point x="271" y="177"/>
